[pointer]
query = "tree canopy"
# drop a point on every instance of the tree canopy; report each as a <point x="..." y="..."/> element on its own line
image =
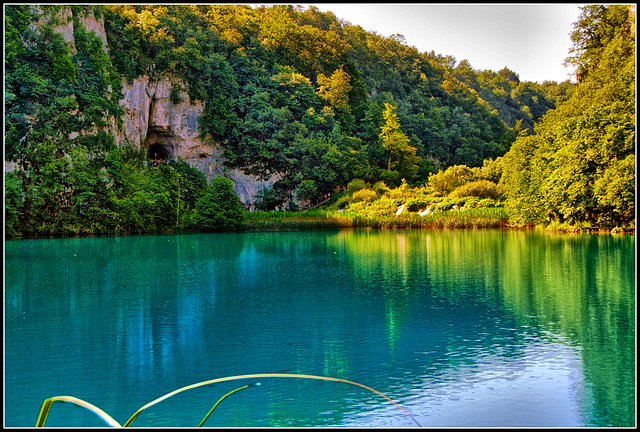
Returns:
<point x="579" y="166"/>
<point x="313" y="101"/>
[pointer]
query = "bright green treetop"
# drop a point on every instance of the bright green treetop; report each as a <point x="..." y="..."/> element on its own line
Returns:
<point x="402" y="156"/>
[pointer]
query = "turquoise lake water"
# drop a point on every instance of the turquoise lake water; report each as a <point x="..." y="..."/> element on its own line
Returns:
<point x="484" y="328"/>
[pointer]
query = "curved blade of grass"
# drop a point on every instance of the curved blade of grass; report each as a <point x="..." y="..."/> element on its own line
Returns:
<point x="46" y="406"/>
<point x="220" y="400"/>
<point x="268" y="375"/>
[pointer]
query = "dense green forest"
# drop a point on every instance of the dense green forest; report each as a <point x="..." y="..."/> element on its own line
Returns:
<point x="579" y="165"/>
<point x="329" y="108"/>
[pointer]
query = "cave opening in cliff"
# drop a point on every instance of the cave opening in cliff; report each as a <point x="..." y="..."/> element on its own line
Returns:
<point x="161" y="143"/>
<point x="158" y="152"/>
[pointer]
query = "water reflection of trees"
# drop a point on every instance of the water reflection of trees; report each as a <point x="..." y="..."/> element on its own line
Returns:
<point x="583" y="287"/>
<point x="580" y="286"/>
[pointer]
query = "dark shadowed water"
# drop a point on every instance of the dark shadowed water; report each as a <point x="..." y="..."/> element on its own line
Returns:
<point x="458" y="327"/>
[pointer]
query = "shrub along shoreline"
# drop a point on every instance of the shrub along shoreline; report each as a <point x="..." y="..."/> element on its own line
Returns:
<point x="468" y="219"/>
<point x="404" y="207"/>
<point x="321" y="219"/>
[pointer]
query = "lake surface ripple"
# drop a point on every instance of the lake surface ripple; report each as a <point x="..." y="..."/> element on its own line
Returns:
<point x="493" y="328"/>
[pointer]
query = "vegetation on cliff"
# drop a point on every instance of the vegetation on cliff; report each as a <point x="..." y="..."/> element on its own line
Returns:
<point x="316" y="101"/>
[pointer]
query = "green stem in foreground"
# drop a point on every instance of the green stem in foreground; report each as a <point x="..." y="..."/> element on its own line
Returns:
<point x="270" y="375"/>
<point x="221" y="399"/>
<point x="46" y="406"/>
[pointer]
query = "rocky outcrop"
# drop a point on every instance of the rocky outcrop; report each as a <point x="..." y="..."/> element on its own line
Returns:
<point x="167" y="127"/>
<point x="94" y="24"/>
<point x="63" y="24"/>
<point x="164" y="126"/>
<point x="151" y="117"/>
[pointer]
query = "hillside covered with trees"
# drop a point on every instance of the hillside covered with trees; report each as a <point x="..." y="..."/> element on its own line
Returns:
<point x="578" y="166"/>
<point x="308" y="97"/>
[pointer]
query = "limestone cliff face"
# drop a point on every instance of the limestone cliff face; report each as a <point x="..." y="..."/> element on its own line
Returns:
<point x="64" y="25"/>
<point x="165" y="129"/>
<point x="151" y="119"/>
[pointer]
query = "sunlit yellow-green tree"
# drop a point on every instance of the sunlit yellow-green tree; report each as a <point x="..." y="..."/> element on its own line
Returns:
<point x="401" y="155"/>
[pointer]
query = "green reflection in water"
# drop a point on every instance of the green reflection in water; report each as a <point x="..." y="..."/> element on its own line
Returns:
<point x="577" y="286"/>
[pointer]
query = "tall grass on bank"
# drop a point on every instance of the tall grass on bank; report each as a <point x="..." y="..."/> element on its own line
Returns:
<point x="323" y="219"/>
<point x="292" y="221"/>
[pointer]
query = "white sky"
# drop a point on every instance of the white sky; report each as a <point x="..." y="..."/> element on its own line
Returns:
<point x="532" y="39"/>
